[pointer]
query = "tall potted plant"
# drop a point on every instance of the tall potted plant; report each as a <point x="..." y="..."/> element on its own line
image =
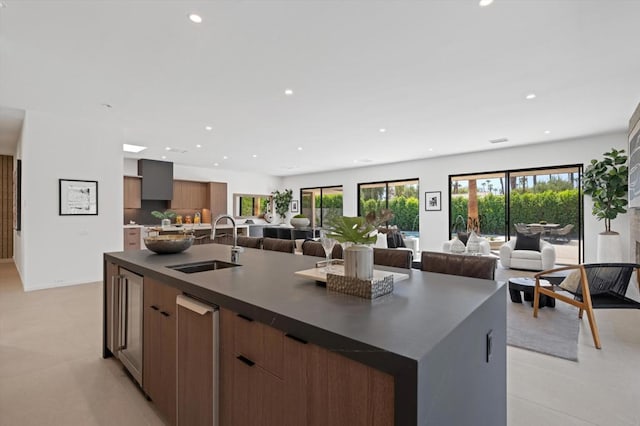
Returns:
<point x="607" y="182"/>
<point x="282" y="201"/>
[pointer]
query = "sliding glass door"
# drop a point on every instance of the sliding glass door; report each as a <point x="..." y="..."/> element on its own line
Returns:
<point x="321" y="204"/>
<point x="545" y="200"/>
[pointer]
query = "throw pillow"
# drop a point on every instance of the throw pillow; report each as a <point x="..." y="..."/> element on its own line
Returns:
<point x="527" y="242"/>
<point x="571" y="282"/>
<point x="464" y="237"/>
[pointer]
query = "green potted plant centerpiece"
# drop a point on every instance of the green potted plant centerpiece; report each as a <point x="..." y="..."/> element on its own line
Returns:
<point x="165" y="217"/>
<point x="282" y="201"/>
<point x="300" y="221"/>
<point x="607" y="182"/>
<point x="358" y="234"/>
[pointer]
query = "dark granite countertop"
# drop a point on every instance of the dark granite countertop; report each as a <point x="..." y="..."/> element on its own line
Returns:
<point x="392" y="332"/>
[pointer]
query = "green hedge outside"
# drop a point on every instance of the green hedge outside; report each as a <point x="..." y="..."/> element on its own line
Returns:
<point x="406" y="211"/>
<point x="552" y="206"/>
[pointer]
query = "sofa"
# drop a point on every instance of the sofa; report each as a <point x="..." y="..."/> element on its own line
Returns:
<point x="512" y="256"/>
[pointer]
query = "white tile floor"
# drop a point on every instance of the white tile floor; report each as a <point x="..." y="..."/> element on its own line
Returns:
<point x="51" y="370"/>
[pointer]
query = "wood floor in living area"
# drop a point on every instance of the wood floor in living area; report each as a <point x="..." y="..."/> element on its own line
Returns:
<point x="51" y="371"/>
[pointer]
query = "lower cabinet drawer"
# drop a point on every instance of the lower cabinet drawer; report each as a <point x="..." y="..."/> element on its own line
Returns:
<point x="260" y="343"/>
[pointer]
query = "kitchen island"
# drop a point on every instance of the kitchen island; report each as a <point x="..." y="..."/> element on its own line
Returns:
<point x="434" y="349"/>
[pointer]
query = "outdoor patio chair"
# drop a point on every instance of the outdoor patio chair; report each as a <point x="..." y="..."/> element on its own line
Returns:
<point x="522" y="228"/>
<point x="560" y="235"/>
<point x="593" y="286"/>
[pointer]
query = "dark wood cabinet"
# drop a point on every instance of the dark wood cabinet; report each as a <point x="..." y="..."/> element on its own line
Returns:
<point x="132" y="191"/>
<point x="131" y="238"/>
<point x="190" y="195"/>
<point x="262" y="369"/>
<point x="217" y="199"/>
<point x="197" y="363"/>
<point x="159" y="372"/>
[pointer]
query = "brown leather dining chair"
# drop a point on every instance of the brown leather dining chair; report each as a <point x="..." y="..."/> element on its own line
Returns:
<point x="397" y="258"/>
<point x="276" y="244"/>
<point x="459" y="264"/>
<point x="314" y="248"/>
<point x="250" y="242"/>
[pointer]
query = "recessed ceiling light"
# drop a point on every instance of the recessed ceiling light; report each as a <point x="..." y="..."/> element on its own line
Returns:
<point x="255" y="155"/>
<point x="216" y="164"/>
<point x="225" y="157"/>
<point x="288" y="92"/>
<point x="133" y="148"/>
<point x="546" y="132"/>
<point x="164" y="157"/>
<point x="485" y="3"/>
<point x="531" y="96"/>
<point x="209" y="128"/>
<point x="195" y="18"/>
<point x="382" y="130"/>
<point x="430" y="149"/>
<point x="299" y="148"/>
<point x="198" y="146"/>
<point x="168" y="148"/>
<point x="107" y="106"/>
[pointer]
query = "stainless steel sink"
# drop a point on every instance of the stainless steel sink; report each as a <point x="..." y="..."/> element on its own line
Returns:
<point x="208" y="265"/>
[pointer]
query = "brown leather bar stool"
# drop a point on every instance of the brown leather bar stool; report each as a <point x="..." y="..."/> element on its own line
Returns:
<point x="276" y="244"/>
<point x="459" y="264"/>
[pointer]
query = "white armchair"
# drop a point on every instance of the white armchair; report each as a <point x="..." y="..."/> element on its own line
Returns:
<point x="528" y="259"/>
<point x="485" y="247"/>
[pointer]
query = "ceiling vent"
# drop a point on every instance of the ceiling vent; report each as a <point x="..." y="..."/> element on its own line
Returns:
<point x="177" y="150"/>
<point x="499" y="140"/>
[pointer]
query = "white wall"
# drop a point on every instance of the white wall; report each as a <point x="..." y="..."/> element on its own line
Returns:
<point x="237" y="182"/>
<point x="54" y="250"/>
<point x="433" y="175"/>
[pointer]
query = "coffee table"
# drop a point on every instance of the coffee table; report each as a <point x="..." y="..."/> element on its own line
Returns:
<point x="527" y="286"/>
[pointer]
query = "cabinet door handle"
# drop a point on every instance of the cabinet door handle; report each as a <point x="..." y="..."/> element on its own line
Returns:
<point x="166" y="314"/>
<point x="297" y="339"/>
<point x="244" y="317"/>
<point x="245" y="360"/>
<point x="154" y="307"/>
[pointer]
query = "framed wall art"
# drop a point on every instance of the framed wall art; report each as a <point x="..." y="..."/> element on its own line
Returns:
<point x="432" y="201"/>
<point x="78" y="197"/>
<point x="294" y="206"/>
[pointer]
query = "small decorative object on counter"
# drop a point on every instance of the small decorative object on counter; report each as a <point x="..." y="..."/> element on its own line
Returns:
<point x="196" y="218"/>
<point x="187" y="220"/>
<point x="178" y="220"/>
<point x="165" y="217"/>
<point x="368" y="289"/>
<point x="358" y="257"/>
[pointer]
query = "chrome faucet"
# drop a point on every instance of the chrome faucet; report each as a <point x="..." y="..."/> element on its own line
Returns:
<point x="235" y="250"/>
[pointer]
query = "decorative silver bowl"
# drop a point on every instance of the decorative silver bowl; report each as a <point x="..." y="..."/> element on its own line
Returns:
<point x="166" y="244"/>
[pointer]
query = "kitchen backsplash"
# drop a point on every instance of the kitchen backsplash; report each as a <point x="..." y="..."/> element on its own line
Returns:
<point x="143" y="215"/>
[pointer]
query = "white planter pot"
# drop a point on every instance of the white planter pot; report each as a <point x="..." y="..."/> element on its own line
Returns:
<point x="609" y="248"/>
<point x="300" y="222"/>
<point x="358" y="262"/>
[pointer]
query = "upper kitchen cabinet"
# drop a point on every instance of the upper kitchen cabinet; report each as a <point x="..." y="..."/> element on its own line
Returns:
<point x="190" y="195"/>
<point x="218" y="198"/>
<point x="132" y="192"/>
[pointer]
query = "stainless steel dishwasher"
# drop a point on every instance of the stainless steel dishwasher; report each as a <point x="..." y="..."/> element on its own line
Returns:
<point x="197" y="360"/>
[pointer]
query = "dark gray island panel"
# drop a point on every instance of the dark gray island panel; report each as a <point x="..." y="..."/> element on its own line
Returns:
<point x="429" y="334"/>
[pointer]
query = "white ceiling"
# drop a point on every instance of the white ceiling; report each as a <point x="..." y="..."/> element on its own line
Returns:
<point x="442" y="77"/>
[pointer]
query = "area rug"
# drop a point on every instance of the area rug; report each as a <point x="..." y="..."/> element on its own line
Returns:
<point x="554" y="332"/>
